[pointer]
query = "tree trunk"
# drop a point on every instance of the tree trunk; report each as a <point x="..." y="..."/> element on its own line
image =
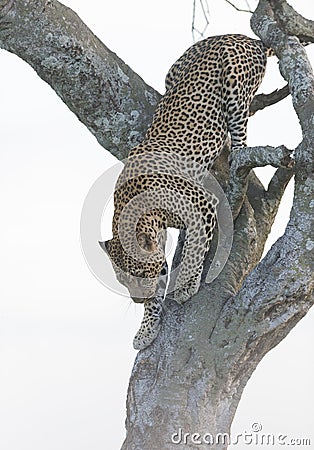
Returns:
<point x="185" y="388"/>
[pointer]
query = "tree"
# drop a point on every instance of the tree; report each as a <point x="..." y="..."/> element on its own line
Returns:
<point x="194" y="374"/>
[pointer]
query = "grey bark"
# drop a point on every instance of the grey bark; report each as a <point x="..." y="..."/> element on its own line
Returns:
<point x="113" y="102"/>
<point x="193" y="375"/>
<point x="261" y="101"/>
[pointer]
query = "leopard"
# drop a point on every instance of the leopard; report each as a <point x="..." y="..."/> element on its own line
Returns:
<point x="207" y="99"/>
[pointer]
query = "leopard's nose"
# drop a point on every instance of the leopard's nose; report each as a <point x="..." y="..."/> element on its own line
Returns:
<point x="138" y="299"/>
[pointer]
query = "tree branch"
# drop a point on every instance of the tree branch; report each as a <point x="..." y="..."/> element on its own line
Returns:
<point x="253" y="224"/>
<point x="205" y="12"/>
<point x="194" y="372"/>
<point x="5" y="7"/>
<point x="279" y="292"/>
<point x="284" y="278"/>
<point x="266" y="205"/>
<point x="261" y="101"/>
<point x="243" y="160"/>
<point x="292" y="22"/>
<point x="276" y="188"/>
<point x="237" y="8"/>
<point x="106" y="95"/>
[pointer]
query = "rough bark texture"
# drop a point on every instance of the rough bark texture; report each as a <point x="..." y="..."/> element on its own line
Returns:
<point x="193" y="375"/>
<point x="113" y="102"/>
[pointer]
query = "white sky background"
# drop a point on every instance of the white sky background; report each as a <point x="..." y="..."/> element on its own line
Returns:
<point x="66" y="342"/>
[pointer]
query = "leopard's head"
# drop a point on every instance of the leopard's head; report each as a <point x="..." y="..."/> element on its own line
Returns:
<point x="138" y="270"/>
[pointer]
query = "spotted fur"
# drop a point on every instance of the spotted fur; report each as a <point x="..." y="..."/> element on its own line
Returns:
<point x="208" y="94"/>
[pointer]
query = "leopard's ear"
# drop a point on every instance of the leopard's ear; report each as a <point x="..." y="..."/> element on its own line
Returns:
<point x="146" y="242"/>
<point x="106" y="246"/>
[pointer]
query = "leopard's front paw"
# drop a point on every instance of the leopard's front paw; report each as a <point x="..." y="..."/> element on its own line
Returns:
<point x="150" y="325"/>
<point x="146" y="335"/>
<point x="144" y="338"/>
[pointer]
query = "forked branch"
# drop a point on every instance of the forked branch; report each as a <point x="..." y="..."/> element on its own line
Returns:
<point x="291" y="21"/>
<point x="243" y="160"/>
<point x="195" y="371"/>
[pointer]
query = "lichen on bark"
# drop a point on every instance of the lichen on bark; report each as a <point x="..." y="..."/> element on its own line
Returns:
<point x="113" y="102"/>
<point x="193" y="375"/>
